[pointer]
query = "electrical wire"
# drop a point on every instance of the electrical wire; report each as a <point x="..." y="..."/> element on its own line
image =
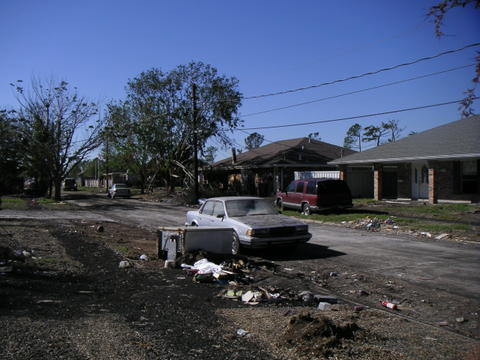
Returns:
<point x="362" y="75"/>
<point x="352" y="117"/>
<point x="356" y="91"/>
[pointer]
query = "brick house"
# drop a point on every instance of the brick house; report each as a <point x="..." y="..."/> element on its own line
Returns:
<point x="264" y="170"/>
<point x="438" y="164"/>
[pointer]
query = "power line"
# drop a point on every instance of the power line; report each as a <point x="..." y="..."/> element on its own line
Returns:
<point x="352" y="117"/>
<point x="362" y="75"/>
<point x="356" y="91"/>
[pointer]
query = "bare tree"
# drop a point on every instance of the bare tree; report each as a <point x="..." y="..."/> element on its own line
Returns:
<point x="438" y="12"/>
<point x="60" y="124"/>
<point x="392" y="126"/>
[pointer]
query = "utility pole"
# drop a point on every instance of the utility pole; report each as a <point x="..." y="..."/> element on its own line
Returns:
<point x="106" y="163"/>
<point x="195" y="140"/>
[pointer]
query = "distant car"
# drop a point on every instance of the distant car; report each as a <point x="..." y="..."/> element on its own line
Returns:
<point x="255" y="222"/>
<point x="119" y="190"/>
<point x="70" y="184"/>
<point x="310" y="195"/>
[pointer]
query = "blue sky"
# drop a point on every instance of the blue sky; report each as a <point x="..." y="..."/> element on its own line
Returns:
<point x="268" y="45"/>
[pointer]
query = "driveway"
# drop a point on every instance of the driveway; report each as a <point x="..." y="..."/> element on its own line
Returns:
<point x="450" y="267"/>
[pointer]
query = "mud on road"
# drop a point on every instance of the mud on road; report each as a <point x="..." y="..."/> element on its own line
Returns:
<point x="71" y="300"/>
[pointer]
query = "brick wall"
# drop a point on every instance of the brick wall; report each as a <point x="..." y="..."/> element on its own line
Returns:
<point x="448" y="185"/>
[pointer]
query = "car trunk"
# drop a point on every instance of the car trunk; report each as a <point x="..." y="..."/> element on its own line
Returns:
<point x="333" y="193"/>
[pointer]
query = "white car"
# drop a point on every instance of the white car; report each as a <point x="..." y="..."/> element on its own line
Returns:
<point x="119" y="190"/>
<point x="255" y="222"/>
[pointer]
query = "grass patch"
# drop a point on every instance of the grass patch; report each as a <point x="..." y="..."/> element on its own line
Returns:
<point x="45" y="201"/>
<point x="122" y="250"/>
<point x="405" y="223"/>
<point x="365" y="201"/>
<point x="335" y="218"/>
<point x="14" y="203"/>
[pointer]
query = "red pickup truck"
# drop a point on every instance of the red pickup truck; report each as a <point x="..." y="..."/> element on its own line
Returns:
<point x="310" y="195"/>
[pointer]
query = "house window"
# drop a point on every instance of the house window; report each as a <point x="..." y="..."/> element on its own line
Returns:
<point x="469" y="176"/>
<point x="416" y="176"/>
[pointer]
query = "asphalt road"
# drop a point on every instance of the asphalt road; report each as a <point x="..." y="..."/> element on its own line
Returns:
<point x="443" y="265"/>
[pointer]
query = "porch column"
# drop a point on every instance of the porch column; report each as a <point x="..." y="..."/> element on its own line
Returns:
<point x="343" y="172"/>
<point x="377" y="181"/>
<point x="432" y="185"/>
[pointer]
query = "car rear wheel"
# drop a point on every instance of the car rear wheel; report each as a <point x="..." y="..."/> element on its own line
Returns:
<point x="235" y="244"/>
<point x="306" y="210"/>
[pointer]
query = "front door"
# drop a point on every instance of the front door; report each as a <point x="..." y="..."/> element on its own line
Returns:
<point x="420" y="180"/>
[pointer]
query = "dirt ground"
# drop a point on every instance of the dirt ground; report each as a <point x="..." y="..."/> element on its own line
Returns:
<point x="71" y="300"/>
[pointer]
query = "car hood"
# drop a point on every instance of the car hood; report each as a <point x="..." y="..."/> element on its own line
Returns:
<point x="261" y="221"/>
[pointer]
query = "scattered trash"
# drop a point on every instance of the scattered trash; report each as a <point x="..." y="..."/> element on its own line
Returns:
<point x="181" y="277"/>
<point x="324" y="306"/>
<point x="26" y="253"/>
<point x="252" y="297"/>
<point x="460" y="319"/>
<point x="100" y="228"/>
<point x="306" y="296"/>
<point x="358" y="308"/>
<point x="333" y="273"/>
<point x="206" y="267"/>
<point x="85" y="292"/>
<point x="288" y="269"/>
<point x="143" y="257"/>
<point x="124" y="264"/>
<point x="47" y="301"/>
<point x="442" y="236"/>
<point x="426" y="234"/>
<point x="389" y="305"/>
<point x="242" y="332"/>
<point x="233" y="294"/>
<point x="443" y="323"/>
<point x="169" y="264"/>
<point x="362" y="293"/>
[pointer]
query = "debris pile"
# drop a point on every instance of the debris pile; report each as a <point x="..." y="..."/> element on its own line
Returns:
<point x="10" y="258"/>
<point x="375" y="224"/>
<point x="315" y="334"/>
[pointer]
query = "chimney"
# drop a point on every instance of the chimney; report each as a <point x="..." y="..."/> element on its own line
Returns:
<point x="234" y="156"/>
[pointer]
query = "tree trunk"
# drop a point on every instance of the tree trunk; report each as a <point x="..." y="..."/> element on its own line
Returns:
<point x="58" y="189"/>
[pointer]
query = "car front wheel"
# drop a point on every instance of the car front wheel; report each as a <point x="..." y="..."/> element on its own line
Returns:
<point x="306" y="209"/>
<point x="279" y="205"/>
<point x="235" y="244"/>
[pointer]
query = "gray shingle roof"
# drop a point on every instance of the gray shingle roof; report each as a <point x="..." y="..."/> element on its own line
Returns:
<point x="458" y="139"/>
<point x="286" y="152"/>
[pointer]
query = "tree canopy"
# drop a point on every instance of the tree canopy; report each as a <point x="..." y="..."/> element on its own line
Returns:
<point x="155" y="123"/>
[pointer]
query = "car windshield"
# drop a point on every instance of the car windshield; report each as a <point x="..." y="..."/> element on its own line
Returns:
<point x="245" y="207"/>
<point x="120" y="186"/>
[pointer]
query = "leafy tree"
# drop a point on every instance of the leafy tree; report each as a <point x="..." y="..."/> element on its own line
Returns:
<point x="374" y="133"/>
<point x="438" y="12"/>
<point x="156" y="119"/>
<point x="11" y="150"/>
<point x="60" y="127"/>
<point x="209" y="154"/>
<point x="314" y="135"/>
<point x="253" y="141"/>
<point x="353" y="138"/>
